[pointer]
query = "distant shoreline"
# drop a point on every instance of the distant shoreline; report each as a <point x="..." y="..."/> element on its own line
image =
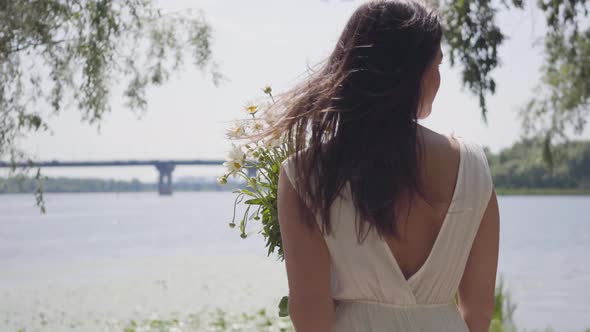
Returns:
<point x="499" y="191"/>
<point x="92" y="185"/>
<point x="542" y="192"/>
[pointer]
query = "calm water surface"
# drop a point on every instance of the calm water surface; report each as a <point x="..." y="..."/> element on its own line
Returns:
<point x="544" y="249"/>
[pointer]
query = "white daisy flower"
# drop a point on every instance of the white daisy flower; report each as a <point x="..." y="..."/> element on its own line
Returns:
<point x="235" y="153"/>
<point x="233" y="166"/>
<point x="237" y="130"/>
<point x="256" y="125"/>
<point x="235" y="160"/>
<point x="251" y="108"/>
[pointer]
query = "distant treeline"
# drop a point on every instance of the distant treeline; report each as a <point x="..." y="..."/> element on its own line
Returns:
<point x="516" y="170"/>
<point x="521" y="169"/>
<point x="74" y="185"/>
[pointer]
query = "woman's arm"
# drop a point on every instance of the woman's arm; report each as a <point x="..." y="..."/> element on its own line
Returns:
<point x="308" y="263"/>
<point x="476" y="290"/>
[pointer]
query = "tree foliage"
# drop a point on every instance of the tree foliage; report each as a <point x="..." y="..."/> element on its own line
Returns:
<point x="560" y="104"/>
<point x="522" y="167"/>
<point x="58" y="53"/>
<point x="473" y="38"/>
<point x="53" y="49"/>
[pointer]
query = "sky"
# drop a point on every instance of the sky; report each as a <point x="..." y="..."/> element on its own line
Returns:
<point x="260" y="42"/>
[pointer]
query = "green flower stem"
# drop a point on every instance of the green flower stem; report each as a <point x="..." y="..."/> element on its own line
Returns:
<point x="266" y="176"/>
<point x="244" y="221"/>
<point x="236" y="202"/>
<point x="261" y="195"/>
<point x="270" y="160"/>
<point x="243" y="174"/>
<point x="255" y="166"/>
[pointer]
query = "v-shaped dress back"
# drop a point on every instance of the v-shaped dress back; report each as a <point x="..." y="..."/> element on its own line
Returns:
<point x="369" y="287"/>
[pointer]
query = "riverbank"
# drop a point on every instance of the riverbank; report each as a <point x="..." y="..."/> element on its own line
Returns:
<point x="499" y="191"/>
<point x="236" y="293"/>
<point x="119" y="294"/>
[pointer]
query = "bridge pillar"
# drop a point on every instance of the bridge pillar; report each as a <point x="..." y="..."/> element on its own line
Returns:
<point x="165" y="178"/>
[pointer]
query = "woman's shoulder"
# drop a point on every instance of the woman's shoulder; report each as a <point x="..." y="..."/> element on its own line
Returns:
<point x="476" y="169"/>
<point x="299" y="158"/>
<point x="457" y="150"/>
<point x="472" y="149"/>
<point x="291" y="165"/>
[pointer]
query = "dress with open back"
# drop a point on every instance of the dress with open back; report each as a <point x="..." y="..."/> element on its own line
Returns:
<point x="368" y="286"/>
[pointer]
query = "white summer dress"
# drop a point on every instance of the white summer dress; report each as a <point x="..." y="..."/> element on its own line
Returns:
<point x="369" y="288"/>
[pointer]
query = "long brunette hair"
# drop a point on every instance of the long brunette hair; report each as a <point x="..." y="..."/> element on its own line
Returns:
<point x="356" y="116"/>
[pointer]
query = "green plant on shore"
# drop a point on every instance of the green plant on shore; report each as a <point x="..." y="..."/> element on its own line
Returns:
<point x="262" y="321"/>
<point x="502" y="320"/>
<point x="217" y="321"/>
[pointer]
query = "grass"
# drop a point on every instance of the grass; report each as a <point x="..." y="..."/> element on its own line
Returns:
<point x="263" y="321"/>
<point x="217" y="321"/>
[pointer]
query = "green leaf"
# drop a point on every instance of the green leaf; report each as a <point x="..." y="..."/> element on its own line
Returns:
<point x="255" y="201"/>
<point x="248" y="192"/>
<point x="284" y="307"/>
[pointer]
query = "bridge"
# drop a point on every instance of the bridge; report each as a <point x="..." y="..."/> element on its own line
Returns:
<point x="164" y="167"/>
